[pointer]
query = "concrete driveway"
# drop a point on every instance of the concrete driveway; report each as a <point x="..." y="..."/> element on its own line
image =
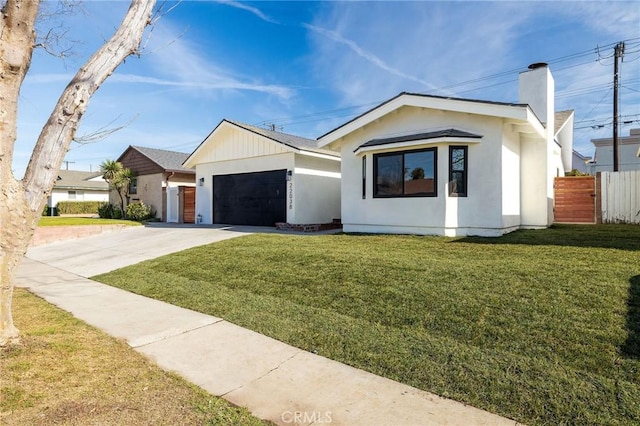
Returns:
<point x="106" y="252"/>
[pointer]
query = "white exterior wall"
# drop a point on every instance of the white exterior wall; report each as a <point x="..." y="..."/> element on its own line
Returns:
<point x="204" y="193"/>
<point x="480" y="213"/>
<point x="533" y="184"/>
<point x="316" y="191"/>
<point x="511" y="176"/>
<point x="58" y="195"/>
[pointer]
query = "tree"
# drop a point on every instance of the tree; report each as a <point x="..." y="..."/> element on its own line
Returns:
<point x="21" y="201"/>
<point x="119" y="178"/>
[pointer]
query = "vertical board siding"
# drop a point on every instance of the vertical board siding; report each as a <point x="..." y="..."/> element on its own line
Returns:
<point x="574" y="200"/>
<point x="620" y="194"/>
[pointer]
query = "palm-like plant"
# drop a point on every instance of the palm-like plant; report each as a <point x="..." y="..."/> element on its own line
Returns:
<point x="118" y="177"/>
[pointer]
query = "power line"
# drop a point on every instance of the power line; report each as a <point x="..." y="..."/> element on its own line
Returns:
<point x="356" y="109"/>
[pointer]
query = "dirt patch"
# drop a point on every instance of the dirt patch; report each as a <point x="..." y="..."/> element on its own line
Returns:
<point x="51" y="234"/>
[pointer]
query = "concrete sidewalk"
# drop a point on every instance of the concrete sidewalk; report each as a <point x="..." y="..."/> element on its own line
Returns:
<point x="273" y="380"/>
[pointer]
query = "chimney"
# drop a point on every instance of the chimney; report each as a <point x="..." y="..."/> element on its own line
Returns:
<point x="536" y="88"/>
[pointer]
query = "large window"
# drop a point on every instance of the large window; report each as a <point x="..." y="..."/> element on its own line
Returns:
<point x="405" y="174"/>
<point x="458" y="171"/>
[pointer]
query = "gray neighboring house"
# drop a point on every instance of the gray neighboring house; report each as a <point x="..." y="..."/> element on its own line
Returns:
<point x="162" y="182"/>
<point x="73" y="185"/>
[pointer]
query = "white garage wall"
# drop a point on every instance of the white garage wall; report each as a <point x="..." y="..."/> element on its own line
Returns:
<point x="204" y="193"/>
<point x="316" y="194"/>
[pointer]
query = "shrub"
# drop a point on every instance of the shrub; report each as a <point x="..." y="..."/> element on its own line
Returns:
<point x="140" y="212"/>
<point x="78" y="207"/>
<point x="47" y="211"/>
<point x="109" y="211"/>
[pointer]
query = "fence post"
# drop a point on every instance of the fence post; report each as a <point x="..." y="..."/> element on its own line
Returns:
<point x="599" y="197"/>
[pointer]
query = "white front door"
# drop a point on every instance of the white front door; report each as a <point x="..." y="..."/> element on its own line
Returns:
<point x="172" y="205"/>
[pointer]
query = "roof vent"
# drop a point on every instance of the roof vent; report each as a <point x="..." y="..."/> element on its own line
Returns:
<point x="538" y="65"/>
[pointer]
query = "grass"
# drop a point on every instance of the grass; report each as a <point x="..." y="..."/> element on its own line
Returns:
<point x="65" y="372"/>
<point x="80" y="221"/>
<point x="539" y="326"/>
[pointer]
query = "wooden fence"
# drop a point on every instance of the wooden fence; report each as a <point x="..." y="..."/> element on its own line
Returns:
<point x="575" y="199"/>
<point x="619" y="197"/>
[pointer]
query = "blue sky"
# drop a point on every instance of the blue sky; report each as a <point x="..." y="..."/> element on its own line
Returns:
<point x="307" y="67"/>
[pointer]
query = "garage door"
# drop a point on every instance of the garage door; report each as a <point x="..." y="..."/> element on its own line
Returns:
<point x="250" y="198"/>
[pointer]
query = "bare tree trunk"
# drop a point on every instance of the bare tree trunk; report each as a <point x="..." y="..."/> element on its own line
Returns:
<point x="21" y="202"/>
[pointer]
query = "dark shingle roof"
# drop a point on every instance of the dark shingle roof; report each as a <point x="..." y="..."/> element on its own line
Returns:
<point x="168" y="160"/>
<point x="73" y="179"/>
<point x="293" y="141"/>
<point x="448" y="133"/>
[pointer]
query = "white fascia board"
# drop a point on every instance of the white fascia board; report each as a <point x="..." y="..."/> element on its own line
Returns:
<point x="529" y="123"/>
<point x="190" y="162"/>
<point x="319" y="155"/>
<point x="416" y="144"/>
<point x="516" y="112"/>
<point x="569" y="119"/>
<point x="361" y="121"/>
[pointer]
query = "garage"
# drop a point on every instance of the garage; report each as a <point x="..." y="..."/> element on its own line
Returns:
<point x="257" y="198"/>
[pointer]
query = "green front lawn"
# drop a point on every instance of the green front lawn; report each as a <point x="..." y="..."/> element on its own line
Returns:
<point x="77" y="221"/>
<point x="539" y="326"/>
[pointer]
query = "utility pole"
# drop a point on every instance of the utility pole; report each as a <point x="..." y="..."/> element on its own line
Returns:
<point x="618" y="54"/>
<point x="66" y="163"/>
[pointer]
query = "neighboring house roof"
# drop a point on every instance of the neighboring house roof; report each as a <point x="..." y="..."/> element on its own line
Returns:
<point x="448" y="133"/>
<point x="521" y="113"/>
<point x="167" y="161"/>
<point x="560" y="119"/>
<point x="632" y="139"/>
<point x="581" y="157"/>
<point x="293" y="142"/>
<point x="77" y="180"/>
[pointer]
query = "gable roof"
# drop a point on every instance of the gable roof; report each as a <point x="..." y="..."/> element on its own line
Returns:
<point x="292" y="142"/>
<point x="74" y="179"/>
<point x="448" y="133"/>
<point x="169" y="161"/>
<point x="289" y="140"/>
<point x="521" y="112"/>
<point x="560" y="119"/>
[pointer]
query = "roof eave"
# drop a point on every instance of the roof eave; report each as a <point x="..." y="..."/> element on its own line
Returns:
<point x="496" y="109"/>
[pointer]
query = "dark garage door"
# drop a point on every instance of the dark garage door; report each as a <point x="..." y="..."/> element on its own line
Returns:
<point x="250" y="198"/>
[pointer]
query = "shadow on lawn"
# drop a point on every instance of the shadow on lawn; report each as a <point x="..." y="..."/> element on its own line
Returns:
<point x="622" y="237"/>
<point x="631" y="347"/>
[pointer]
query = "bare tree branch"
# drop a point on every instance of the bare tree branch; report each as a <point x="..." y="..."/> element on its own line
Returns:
<point x="103" y="132"/>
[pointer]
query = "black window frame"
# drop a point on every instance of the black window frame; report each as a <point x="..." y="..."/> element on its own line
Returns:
<point x="403" y="153"/>
<point x="464" y="171"/>
<point x="364" y="177"/>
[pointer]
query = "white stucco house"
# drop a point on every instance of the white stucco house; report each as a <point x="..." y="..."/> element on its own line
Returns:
<point x="74" y="185"/>
<point x="247" y="175"/>
<point x="424" y="164"/>
<point x="628" y="153"/>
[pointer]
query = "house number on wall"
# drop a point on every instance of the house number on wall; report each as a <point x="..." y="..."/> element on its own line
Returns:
<point x="290" y="195"/>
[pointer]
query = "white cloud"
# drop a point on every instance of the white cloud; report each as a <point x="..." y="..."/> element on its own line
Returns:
<point x="375" y="60"/>
<point x="257" y="12"/>
<point x="179" y="64"/>
<point x="411" y="46"/>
